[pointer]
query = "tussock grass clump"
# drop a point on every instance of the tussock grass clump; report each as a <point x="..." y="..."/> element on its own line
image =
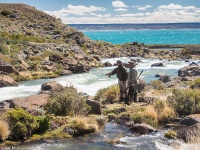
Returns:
<point x="165" y="112"/>
<point x="108" y="95"/>
<point x="157" y="85"/>
<point x="4" y="130"/>
<point x="195" y="84"/>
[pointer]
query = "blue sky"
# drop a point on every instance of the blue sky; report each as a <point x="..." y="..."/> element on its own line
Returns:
<point x="118" y="11"/>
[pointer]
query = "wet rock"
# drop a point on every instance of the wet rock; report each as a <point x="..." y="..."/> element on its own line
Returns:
<point x="165" y="79"/>
<point x="124" y="120"/>
<point x="189" y="129"/>
<point x="157" y="65"/>
<point x="142" y="128"/>
<point x="52" y="87"/>
<point x="7" y="81"/>
<point x="107" y="64"/>
<point x="193" y="64"/>
<point x="189" y="71"/>
<point x="95" y="106"/>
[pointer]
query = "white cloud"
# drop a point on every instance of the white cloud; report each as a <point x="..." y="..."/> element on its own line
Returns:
<point x="81" y="10"/>
<point x="162" y="14"/>
<point x="118" y="4"/>
<point x="121" y="9"/>
<point x="176" y="7"/>
<point x="142" y="7"/>
<point x="75" y="10"/>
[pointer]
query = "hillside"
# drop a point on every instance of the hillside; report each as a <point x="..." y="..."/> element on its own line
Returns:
<point x="36" y="45"/>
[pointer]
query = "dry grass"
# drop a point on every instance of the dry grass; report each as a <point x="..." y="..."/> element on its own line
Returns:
<point x="167" y="114"/>
<point x="4" y="130"/>
<point x="151" y="113"/>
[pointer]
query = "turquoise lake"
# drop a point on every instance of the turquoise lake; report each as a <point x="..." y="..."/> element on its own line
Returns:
<point x="163" y="36"/>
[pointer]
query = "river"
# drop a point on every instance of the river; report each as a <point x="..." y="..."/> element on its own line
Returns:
<point x="90" y="83"/>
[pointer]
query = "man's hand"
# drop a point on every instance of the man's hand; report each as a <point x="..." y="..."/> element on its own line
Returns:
<point x="108" y="74"/>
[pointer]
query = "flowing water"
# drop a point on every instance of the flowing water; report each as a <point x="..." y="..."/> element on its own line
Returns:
<point x="94" y="80"/>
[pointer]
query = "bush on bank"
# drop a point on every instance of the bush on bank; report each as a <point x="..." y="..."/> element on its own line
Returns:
<point x="185" y="101"/>
<point x="67" y="103"/>
<point x="108" y="95"/>
<point x="21" y="123"/>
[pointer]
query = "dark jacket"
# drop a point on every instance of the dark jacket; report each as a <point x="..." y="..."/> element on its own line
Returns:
<point x="121" y="73"/>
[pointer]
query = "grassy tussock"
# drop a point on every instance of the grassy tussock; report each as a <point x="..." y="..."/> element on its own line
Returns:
<point x="4" y="130"/>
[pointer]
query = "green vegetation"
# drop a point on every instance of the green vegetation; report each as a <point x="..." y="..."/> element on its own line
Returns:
<point x="185" y="101"/>
<point x="5" y="12"/>
<point x="195" y="84"/>
<point x="170" y="134"/>
<point x="108" y="95"/>
<point x="21" y="123"/>
<point x="44" y="124"/>
<point x="68" y="103"/>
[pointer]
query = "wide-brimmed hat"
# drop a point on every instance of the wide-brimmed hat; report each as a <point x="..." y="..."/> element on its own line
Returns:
<point x="132" y="62"/>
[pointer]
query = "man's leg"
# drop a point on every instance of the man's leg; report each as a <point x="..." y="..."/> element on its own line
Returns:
<point x="122" y="87"/>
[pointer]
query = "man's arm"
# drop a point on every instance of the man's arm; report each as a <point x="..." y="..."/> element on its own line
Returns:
<point x="113" y="72"/>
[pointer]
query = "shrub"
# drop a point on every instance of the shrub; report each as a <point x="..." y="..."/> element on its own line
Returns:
<point x="4" y="130"/>
<point x="44" y="124"/>
<point x="195" y="83"/>
<point x="68" y="102"/>
<point x="108" y="95"/>
<point x="5" y="12"/>
<point x="185" y="102"/>
<point x="158" y="85"/>
<point x="4" y="50"/>
<point x="22" y="124"/>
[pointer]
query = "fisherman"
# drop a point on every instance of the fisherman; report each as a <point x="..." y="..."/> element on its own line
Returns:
<point x="132" y="81"/>
<point x="121" y="74"/>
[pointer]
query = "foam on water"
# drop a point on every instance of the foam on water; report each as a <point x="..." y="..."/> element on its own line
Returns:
<point x="94" y="80"/>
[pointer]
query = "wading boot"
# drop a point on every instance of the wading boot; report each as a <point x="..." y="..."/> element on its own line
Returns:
<point x="135" y="97"/>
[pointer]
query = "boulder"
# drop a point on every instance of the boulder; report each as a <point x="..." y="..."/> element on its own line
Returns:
<point x="107" y="64"/>
<point x="52" y="87"/>
<point x="157" y="65"/>
<point x="28" y="103"/>
<point x="193" y="64"/>
<point x="7" y="68"/>
<point x="142" y="128"/>
<point x="66" y="72"/>
<point x="127" y="121"/>
<point x="189" y="129"/>
<point x="80" y="67"/>
<point x="189" y="71"/>
<point x="165" y="79"/>
<point x="95" y="106"/>
<point x="7" y="81"/>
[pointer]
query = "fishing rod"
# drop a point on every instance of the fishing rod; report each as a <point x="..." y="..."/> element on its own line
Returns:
<point x="140" y="74"/>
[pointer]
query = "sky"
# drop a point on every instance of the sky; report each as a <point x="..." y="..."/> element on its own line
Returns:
<point x="118" y="11"/>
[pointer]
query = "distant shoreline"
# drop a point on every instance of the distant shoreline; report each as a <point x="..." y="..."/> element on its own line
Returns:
<point x="128" y="26"/>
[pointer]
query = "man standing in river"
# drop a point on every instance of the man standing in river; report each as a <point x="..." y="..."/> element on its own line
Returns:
<point x="121" y="73"/>
<point x="132" y="81"/>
